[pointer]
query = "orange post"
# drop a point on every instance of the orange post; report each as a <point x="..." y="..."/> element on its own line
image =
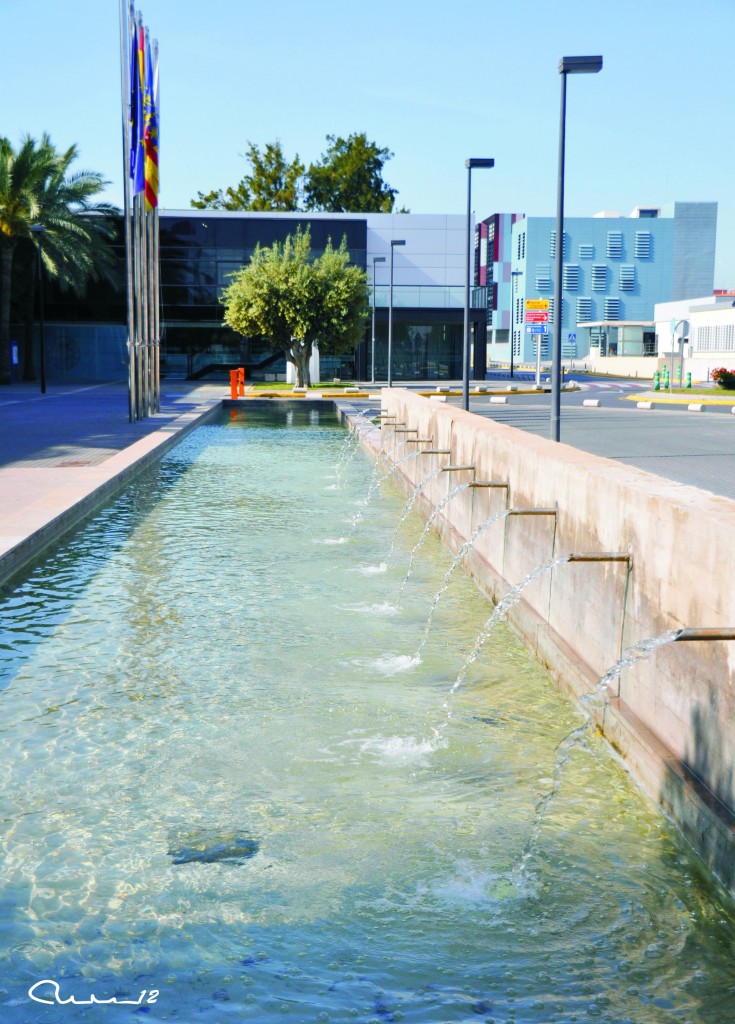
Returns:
<point x="233" y="384"/>
<point x="241" y="381"/>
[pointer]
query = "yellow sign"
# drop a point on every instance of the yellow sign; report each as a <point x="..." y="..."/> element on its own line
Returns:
<point x="542" y="305"/>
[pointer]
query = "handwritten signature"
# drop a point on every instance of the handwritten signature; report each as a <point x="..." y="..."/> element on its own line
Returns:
<point x="145" y="996"/>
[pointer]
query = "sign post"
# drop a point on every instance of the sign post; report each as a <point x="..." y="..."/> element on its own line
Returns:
<point x="537" y="313"/>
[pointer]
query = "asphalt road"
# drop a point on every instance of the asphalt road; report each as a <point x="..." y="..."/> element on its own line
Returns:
<point x="696" y="448"/>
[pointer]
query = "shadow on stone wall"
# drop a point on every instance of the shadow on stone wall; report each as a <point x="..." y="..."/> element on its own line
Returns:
<point x="699" y="794"/>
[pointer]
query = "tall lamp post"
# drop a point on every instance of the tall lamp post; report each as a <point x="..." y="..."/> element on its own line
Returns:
<point x="470" y="164"/>
<point x="513" y="275"/>
<point x="376" y="259"/>
<point x="393" y="243"/>
<point x="567" y="66"/>
<point x="38" y="230"/>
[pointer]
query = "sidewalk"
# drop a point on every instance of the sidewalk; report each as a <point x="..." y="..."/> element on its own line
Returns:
<point x="64" y="452"/>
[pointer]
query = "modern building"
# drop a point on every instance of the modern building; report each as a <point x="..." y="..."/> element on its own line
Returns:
<point x="615" y="270"/>
<point x="696" y="335"/>
<point x="199" y="250"/>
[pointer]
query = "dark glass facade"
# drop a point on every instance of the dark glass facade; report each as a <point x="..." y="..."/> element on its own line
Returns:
<point x="86" y="339"/>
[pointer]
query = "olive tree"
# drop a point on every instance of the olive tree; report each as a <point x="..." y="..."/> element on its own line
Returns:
<point x="298" y="302"/>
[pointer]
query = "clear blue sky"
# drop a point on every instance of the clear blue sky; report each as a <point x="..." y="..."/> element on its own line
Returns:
<point x="433" y="81"/>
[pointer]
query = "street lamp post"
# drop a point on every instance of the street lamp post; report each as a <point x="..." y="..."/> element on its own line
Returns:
<point x="567" y="66"/>
<point x="376" y="259"/>
<point x="470" y="165"/>
<point x="38" y="230"/>
<point x="513" y="275"/>
<point x="393" y="243"/>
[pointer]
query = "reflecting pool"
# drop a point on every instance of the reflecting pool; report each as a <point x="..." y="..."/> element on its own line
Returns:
<point x="218" y="786"/>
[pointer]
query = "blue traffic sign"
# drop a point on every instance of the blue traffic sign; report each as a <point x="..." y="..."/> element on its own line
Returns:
<point x="571" y="336"/>
<point x="537" y="328"/>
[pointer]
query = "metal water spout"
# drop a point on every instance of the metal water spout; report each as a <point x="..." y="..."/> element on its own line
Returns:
<point x="419" y="440"/>
<point x="458" y="469"/>
<point x="437" y="451"/>
<point x="601" y="556"/>
<point x="533" y="512"/>
<point x="705" y="634"/>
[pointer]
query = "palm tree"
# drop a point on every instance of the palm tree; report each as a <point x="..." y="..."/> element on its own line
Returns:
<point x="75" y="245"/>
<point x="21" y="178"/>
<point x="37" y="189"/>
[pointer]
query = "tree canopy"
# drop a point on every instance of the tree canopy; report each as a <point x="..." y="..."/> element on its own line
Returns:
<point x="348" y="177"/>
<point x="272" y="184"/>
<point x="298" y="302"/>
<point x="36" y="190"/>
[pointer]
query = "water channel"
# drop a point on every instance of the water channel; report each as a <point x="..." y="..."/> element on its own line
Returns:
<point x="214" y="786"/>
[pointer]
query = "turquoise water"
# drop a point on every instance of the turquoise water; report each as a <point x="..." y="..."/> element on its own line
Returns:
<point x="209" y="659"/>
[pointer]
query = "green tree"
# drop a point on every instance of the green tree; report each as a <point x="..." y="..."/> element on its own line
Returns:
<point x="37" y="190"/>
<point x="76" y="243"/>
<point x="298" y="302"/>
<point x="22" y="174"/>
<point x="349" y="178"/>
<point x="272" y="184"/>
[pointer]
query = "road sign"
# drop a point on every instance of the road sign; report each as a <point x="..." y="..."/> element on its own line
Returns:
<point x="540" y="305"/>
<point x="571" y="336"/>
<point x="537" y="328"/>
<point x="537" y="316"/>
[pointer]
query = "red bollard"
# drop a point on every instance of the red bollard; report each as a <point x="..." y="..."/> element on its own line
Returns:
<point x="233" y="384"/>
<point x="241" y="381"/>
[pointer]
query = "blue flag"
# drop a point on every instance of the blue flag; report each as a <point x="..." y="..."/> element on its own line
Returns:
<point x="137" y="146"/>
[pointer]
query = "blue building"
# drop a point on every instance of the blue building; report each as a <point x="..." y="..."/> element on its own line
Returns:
<point x="615" y="270"/>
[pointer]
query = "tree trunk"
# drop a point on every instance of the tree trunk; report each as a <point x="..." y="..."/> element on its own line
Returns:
<point x="29" y="370"/>
<point x="300" y="356"/>
<point x="7" y="249"/>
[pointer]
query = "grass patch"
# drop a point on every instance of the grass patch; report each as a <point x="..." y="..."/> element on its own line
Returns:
<point x="282" y="385"/>
<point x="700" y="391"/>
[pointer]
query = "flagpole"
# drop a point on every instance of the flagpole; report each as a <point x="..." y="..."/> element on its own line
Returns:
<point x="156" y="247"/>
<point x="125" y="89"/>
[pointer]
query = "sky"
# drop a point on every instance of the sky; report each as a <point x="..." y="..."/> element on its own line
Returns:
<point x="433" y="81"/>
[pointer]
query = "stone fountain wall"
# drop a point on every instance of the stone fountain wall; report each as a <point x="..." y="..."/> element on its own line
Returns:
<point x="672" y="716"/>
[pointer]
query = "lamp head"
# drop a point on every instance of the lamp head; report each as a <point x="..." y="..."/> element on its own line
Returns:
<point x="378" y="259"/>
<point x="398" y="241"/>
<point x="580" y="65"/>
<point x="479" y="161"/>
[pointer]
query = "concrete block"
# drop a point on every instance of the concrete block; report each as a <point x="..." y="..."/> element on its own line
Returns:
<point x="593" y="403"/>
<point x="644" y="405"/>
<point x="437" y="398"/>
<point x="498" y="400"/>
<point x="512" y="387"/>
<point x="695" y="407"/>
<point x="442" y="390"/>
